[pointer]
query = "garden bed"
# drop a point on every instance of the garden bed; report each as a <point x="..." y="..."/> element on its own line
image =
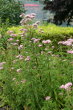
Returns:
<point x="36" y="68"/>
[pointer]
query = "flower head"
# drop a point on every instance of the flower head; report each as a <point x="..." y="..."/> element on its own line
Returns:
<point x="46" y="41"/>
<point x="27" y="58"/>
<point x="47" y="98"/>
<point x="18" y="70"/>
<point x="70" y="51"/>
<point x="66" y="86"/>
<point x="20" y="57"/>
<point x="20" y="47"/>
<point x="10" y="39"/>
<point x="22" y="15"/>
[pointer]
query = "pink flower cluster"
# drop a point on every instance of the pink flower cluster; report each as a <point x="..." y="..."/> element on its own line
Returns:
<point x="10" y="39"/>
<point x="27" y="18"/>
<point x="20" y="47"/>
<point x="31" y="16"/>
<point x="27" y="58"/>
<point x="24" y="30"/>
<point x="35" y="25"/>
<point x="35" y="40"/>
<point x="66" y="86"/>
<point x="39" y="45"/>
<point x="20" y="57"/>
<point x="13" y="35"/>
<point x="10" y="32"/>
<point x="70" y="51"/>
<point x="67" y="42"/>
<point x="46" y="41"/>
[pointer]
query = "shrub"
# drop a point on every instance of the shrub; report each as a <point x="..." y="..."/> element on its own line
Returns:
<point x="9" y="9"/>
<point x="52" y="32"/>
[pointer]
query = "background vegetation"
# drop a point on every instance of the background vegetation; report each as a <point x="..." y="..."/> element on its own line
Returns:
<point x="62" y="10"/>
<point x="10" y="10"/>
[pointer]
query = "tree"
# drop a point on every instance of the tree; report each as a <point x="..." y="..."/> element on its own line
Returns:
<point x="11" y="10"/>
<point x="62" y="9"/>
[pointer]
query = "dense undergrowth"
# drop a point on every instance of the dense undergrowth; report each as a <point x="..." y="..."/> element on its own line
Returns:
<point x="36" y="67"/>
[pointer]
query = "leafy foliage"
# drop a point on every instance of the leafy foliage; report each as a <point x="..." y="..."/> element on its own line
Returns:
<point x="9" y="9"/>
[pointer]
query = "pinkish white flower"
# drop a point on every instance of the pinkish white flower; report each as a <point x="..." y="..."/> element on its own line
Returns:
<point x="14" y="79"/>
<point x="18" y="70"/>
<point x="13" y="35"/>
<point x="25" y="30"/>
<point x="35" y="40"/>
<point x="35" y="25"/>
<point x="66" y="86"/>
<point x="20" y="57"/>
<point x="53" y="47"/>
<point x="17" y="40"/>
<point x="22" y="22"/>
<point x="62" y="87"/>
<point x="10" y="32"/>
<point x="70" y="51"/>
<point x="37" y="22"/>
<point x="39" y="45"/>
<point x="22" y="15"/>
<point x="31" y="16"/>
<point x="67" y="42"/>
<point x="20" y="47"/>
<point x="10" y="39"/>
<point x="46" y="41"/>
<point x="27" y="58"/>
<point x="1" y="68"/>
<point x="28" y="16"/>
<point x="47" y="98"/>
<point x="71" y="40"/>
